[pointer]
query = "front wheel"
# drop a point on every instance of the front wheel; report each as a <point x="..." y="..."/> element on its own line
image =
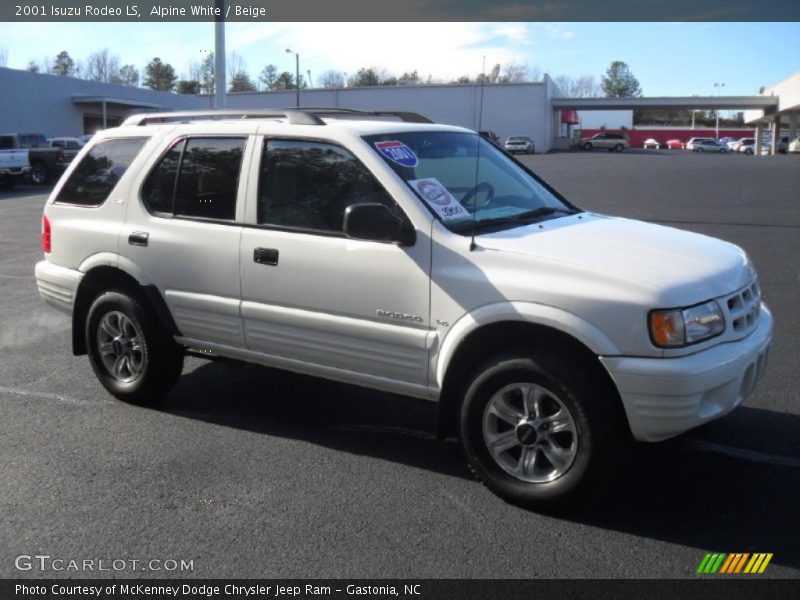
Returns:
<point x="587" y="146"/>
<point x="131" y="353"/>
<point x="619" y="147"/>
<point x="537" y="431"/>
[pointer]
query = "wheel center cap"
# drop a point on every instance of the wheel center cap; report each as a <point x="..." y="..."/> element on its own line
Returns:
<point x="526" y="434"/>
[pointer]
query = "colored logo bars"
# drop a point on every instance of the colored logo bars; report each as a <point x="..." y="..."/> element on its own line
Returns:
<point x="741" y="562"/>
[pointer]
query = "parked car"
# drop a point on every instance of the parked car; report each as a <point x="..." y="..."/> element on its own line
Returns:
<point x="46" y="161"/>
<point x="652" y="144"/>
<point x="709" y="146"/>
<point x="733" y="145"/>
<point x="343" y="248"/>
<point x="67" y="143"/>
<point x="519" y="143"/>
<point x="794" y="145"/>
<point x="610" y="141"/>
<point x="491" y="136"/>
<point x="695" y="140"/>
<point x="675" y="145"/>
<point x="783" y="144"/>
<point x="746" y="145"/>
<point x="14" y="163"/>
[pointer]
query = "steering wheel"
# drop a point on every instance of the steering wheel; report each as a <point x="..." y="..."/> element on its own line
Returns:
<point x="483" y="186"/>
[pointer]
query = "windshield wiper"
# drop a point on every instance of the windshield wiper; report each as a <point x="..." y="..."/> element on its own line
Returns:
<point x="523" y="218"/>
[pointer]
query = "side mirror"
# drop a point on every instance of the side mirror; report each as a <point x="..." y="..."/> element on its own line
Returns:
<point x="375" y="222"/>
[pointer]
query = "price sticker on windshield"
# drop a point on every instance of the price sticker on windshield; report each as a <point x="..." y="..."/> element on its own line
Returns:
<point x="439" y="199"/>
<point x="398" y="152"/>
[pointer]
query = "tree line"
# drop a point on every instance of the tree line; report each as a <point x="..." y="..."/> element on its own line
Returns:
<point x="618" y="81"/>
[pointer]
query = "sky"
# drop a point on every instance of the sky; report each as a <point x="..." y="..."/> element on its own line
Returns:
<point x="667" y="58"/>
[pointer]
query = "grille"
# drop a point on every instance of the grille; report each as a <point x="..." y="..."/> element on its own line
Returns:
<point x="744" y="308"/>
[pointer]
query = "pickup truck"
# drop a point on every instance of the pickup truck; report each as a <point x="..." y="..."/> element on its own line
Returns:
<point x="46" y="161"/>
<point x="13" y="164"/>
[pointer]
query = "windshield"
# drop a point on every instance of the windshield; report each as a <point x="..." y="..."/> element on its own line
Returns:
<point x="467" y="182"/>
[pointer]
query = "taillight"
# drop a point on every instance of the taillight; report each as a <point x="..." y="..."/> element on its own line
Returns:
<point x="47" y="242"/>
<point x="59" y="155"/>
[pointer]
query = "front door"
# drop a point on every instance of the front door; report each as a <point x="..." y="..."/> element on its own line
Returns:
<point x="310" y="294"/>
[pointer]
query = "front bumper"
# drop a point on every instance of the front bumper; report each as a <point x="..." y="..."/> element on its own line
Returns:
<point x="664" y="397"/>
<point x="57" y="285"/>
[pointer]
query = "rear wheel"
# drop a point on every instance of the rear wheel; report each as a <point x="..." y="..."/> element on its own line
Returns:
<point x="537" y="429"/>
<point x="587" y="146"/>
<point x="39" y="173"/>
<point x="6" y="182"/>
<point x="131" y="353"/>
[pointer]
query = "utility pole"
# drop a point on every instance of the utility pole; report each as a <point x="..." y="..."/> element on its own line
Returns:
<point x="219" y="55"/>
<point x="718" y="86"/>
<point x="296" y="76"/>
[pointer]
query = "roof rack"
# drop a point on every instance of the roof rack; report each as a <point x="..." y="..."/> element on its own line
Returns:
<point x="304" y="116"/>
<point x="405" y="116"/>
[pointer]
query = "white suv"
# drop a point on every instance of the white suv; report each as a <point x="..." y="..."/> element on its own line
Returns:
<point x="405" y="256"/>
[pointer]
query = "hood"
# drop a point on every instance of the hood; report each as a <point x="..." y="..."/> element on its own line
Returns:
<point x="680" y="267"/>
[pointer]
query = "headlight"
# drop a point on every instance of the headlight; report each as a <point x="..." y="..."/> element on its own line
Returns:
<point x="683" y="326"/>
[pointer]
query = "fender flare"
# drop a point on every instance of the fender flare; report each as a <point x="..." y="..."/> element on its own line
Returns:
<point x="527" y="312"/>
<point x="109" y="259"/>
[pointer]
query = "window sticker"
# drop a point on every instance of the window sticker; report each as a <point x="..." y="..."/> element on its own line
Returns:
<point x="398" y="152"/>
<point x="439" y="199"/>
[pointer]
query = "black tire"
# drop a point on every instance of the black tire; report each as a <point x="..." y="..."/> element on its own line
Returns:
<point x="748" y="150"/>
<point x="6" y="182"/>
<point x="39" y="173"/>
<point x="619" y="147"/>
<point x="160" y="357"/>
<point x="587" y="146"/>
<point x="592" y="419"/>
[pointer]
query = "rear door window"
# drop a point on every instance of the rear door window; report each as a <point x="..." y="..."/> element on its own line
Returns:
<point x="196" y="178"/>
<point x="98" y="173"/>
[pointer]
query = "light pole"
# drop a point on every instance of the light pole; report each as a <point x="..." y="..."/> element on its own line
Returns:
<point x="718" y="86"/>
<point x="297" y="76"/>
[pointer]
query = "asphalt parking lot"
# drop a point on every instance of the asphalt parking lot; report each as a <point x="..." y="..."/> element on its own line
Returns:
<point x="251" y="472"/>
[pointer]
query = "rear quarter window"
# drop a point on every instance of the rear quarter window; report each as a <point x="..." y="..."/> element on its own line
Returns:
<point x="99" y="171"/>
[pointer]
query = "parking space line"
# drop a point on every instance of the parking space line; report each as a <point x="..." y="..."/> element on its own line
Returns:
<point x="741" y="453"/>
<point x="50" y="396"/>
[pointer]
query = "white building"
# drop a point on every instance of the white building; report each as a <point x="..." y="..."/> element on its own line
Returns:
<point x="65" y="106"/>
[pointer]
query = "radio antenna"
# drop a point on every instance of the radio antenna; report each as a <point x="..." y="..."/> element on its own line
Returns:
<point x="478" y="159"/>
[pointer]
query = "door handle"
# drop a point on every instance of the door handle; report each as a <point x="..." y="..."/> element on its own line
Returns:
<point x="265" y="256"/>
<point x="138" y="238"/>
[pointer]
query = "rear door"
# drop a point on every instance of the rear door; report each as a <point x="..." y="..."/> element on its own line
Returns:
<point x="185" y="232"/>
<point x="314" y="297"/>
